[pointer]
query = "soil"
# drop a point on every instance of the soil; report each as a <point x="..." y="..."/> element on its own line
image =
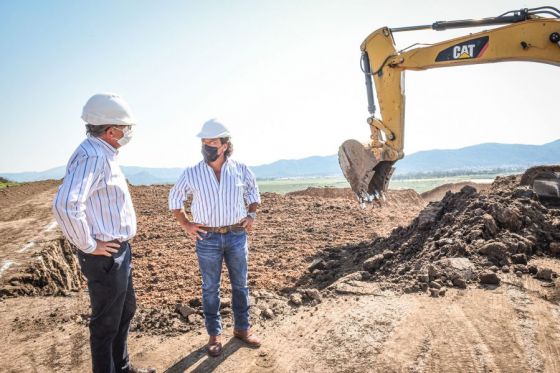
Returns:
<point x="467" y="237"/>
<point x="323" y="299"/>
<point x="439" y="192"/>
<point x="289" y="231"/>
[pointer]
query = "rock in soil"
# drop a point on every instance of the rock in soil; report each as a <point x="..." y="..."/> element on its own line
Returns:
<point x="544" y="274"/>
<point x="296" y="299"/>
<point x="489" y="278"/>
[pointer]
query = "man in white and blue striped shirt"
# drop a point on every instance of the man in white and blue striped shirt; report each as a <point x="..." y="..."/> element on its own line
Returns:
<point x="94" y="210"/>
<point x="225" y="197"/>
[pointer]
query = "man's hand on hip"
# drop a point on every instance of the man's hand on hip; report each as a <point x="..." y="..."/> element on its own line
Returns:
<point x="193" y="230"/>
<point x="106" y="248"/>
<point x="247" y="223"/>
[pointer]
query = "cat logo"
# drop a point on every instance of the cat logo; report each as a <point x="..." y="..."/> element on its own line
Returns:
<point x="470" y="49"/>
<point x="463" y="51"/>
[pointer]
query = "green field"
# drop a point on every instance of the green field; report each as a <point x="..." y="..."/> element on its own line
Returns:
<point x="419" y="185"/>
<point x="7" y="184"/>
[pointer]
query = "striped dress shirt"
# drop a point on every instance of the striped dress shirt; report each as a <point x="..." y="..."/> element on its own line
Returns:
<point x="93" y="201"/>
<point x="216" y="204"/>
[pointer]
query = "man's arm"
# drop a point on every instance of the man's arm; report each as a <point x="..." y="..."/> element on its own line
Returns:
<point x="192" y="229"/>
<point x="69" y="206"/>
<point x="252" y="197"/>
<point x="177" y="197"/>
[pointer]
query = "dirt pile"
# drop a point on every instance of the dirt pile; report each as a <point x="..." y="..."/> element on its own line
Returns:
<point x="440" y="191"/>
<point x="24" y="191"/>
<point x="34" y="258"/>
<point x="467" y="237"/>
<point x="392" y="197"/>
<point x="53" y="270"/>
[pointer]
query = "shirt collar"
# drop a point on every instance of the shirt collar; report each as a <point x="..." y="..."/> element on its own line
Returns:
<point x="107" y="148"/>
<point x="208" y="165"/>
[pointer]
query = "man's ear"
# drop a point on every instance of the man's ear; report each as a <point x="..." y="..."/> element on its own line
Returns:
<point x="112" y="132"/>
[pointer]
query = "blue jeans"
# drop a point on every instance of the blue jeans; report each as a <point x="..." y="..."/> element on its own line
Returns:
<point x="211" y="251"/>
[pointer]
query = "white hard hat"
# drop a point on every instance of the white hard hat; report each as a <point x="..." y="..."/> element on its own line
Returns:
<point x="107" y="108"/>
<point x="213" y="129"/>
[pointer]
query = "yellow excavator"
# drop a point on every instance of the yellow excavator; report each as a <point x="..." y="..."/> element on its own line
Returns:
<point x="528" y="35"/>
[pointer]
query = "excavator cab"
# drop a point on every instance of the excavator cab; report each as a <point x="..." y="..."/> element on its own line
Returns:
<point x="525" y="35"/>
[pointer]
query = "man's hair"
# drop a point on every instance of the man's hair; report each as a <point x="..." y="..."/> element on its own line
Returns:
<point x="97" y="131"/>
<point x="226" y="140"/>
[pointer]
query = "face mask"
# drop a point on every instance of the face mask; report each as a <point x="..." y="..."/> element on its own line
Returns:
<point x="127" y="136"/>
<point x="210" y="153"/>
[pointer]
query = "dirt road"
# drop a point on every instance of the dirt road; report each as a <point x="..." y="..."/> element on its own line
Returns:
<point x="511" y="329"/>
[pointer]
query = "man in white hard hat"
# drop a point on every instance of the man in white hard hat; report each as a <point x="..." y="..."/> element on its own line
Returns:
<point x="94" y="210"/>
<point x="224" y="205"/>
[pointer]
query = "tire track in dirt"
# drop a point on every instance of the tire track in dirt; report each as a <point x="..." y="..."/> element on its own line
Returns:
<point x="477" y="331"/>
<point x="438" y="337"/>
<point x="537" y="322"/>
<point x="526" y="328"/>
<point x="344" y="334"/>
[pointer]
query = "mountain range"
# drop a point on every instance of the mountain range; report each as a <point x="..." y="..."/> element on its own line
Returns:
<point x="476" y="158"/>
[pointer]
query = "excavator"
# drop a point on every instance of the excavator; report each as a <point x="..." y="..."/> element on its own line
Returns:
<point x="523" y="35"/>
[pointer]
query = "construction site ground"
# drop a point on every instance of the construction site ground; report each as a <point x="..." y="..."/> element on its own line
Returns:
<point x="314" y="306"/>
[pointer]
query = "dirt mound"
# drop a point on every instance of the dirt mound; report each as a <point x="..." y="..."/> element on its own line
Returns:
<point x="399" y="197"/>
<point x="439" y="192"/>
<point x="325" y="192"/>
<point x="467" y="237"/>
<point x="34" y="258"/>
<point x="54" y="270"/>
<point x="21" y="192"/>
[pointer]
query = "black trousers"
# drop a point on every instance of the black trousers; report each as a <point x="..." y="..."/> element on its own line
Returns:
<point x="113" y="304"/>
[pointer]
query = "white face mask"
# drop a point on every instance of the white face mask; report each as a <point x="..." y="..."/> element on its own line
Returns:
<point x="127" y="135"/>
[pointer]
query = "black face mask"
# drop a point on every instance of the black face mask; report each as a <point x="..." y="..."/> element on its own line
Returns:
<point x="210" y="153"/>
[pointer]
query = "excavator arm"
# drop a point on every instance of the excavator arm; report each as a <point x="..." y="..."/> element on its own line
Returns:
<point x="527" y="36"/>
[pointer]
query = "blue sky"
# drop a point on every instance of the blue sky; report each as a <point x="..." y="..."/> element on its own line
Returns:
<point x="284" y="76"/>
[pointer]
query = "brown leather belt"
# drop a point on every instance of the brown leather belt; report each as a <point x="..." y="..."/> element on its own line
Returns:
<point x="117" y="241"/>
<point x="226" y="229"/>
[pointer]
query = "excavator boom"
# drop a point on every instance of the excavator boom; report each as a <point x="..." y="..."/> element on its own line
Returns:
<point x="528" y="35"/>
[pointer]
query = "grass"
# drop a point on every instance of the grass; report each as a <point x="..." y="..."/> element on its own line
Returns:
<point x="419" y="185"/>
<point x="5" y="184"/>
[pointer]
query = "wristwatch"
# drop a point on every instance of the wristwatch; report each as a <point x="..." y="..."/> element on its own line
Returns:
<point x="252" y="215"/>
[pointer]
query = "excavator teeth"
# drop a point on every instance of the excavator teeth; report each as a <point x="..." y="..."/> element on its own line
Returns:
<point x="367" y="175"/>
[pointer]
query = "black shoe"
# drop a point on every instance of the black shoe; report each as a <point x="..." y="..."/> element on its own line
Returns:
<point x="141" y="370"/>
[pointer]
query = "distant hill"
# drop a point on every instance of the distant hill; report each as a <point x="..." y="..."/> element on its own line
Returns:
<point x="476" y="158"/>
<point x="480" y="157"/>
<point x="135" y="175"/>
<point x="307" y="167"/>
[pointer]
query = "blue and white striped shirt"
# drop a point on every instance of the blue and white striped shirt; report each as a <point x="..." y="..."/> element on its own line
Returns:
<point x="93" y="201"/>
<point x="216" y="204"/>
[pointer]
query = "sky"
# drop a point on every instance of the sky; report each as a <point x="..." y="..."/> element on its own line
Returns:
<point x="284" y="76"/>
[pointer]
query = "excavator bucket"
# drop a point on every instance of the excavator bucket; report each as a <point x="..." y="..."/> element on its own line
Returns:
<point x="367" y="175"/>
<point x="545" y="182"/>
